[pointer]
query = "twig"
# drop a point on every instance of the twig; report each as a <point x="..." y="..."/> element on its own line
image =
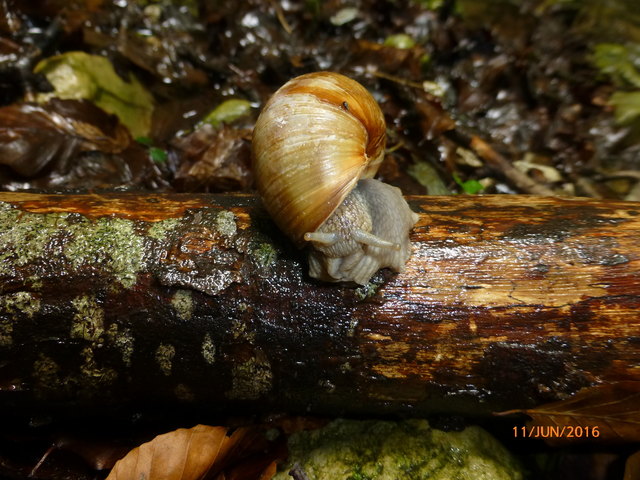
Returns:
<point x="281" y="17"/>
<point x="493" y="158"/>
<point x="498" y="162"/>
<point x="42" y="459"/>
<point x="403" y="81"/>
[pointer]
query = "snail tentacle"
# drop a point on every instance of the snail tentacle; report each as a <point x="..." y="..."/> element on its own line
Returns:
<point x="322" y="238"/>
<point x="373" y="240"/>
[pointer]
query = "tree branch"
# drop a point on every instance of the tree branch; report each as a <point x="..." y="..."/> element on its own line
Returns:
<point x="506" y="302"/>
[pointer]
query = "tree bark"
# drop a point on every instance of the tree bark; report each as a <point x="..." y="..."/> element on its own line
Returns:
<point x="506" y="302"/>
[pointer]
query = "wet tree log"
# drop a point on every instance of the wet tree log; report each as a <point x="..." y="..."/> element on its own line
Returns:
<point x="507" y="302"/>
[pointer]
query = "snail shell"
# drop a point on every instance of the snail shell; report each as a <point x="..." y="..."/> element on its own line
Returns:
<point x="316" y="145"/>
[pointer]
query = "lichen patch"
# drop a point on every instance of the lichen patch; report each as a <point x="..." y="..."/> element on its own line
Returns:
<point x="6" y="333"/>
<point x="46" y="373"/>
<point x="240" y="331"/>
<point x="251" y="379"/>
<point x="20" y="302"/>
<point x="182" y="302"/>
<point x="164" y="357"/>
<point x="111" y="242"/>
<point x="123" y="340"/>
<point x="88" y="321"/>
<point x="208" y="350"/>
<point x="24" y="236"/>
<point x="93" y="373"/>
<point x="160" y="230"/>
<point x="264" y="254"/>
<point x="13" y="306"/>
<point x="226" y="224"/>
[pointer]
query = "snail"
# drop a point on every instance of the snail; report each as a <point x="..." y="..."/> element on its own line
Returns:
<point x="316" y="145"/>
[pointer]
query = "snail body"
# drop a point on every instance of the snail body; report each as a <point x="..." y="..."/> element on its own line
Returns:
<point x="316" y="146"/>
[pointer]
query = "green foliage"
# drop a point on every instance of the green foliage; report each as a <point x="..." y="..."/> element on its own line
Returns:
<point x="400" y="40"/>
<point x="470" y="187"/>
<point x="627" y="105"/>
<point x="158" y="155"/>
<point x="78" y="75"/>
<point x="614" y="28"/>
<point x="620" y="62"/>
<point x="227" y="112"/>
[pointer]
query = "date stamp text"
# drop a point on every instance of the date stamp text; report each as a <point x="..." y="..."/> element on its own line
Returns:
<point x="556" y="431"/>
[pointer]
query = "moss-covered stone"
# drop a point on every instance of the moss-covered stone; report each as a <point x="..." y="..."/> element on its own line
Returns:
<point x="408" y="450"/>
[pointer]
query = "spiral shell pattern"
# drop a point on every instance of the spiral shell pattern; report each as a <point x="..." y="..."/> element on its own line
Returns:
<point x="315" y="138"/>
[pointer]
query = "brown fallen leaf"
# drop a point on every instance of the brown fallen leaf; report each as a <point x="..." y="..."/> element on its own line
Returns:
<point x="214" y="160"/>
<point x="70" y="144"/>
<point x="201" y="452"/>
<point x="604" y="413"/>
<point x="248" y="456"/>
<point x="32" y="135"/>
<point x="184" y="454"/>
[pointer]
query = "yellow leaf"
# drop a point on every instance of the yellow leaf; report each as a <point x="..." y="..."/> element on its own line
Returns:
<point x="78" y="75"/>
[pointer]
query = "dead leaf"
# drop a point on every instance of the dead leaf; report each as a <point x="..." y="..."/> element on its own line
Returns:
<point x="214" y="160"/>
<point x="32" y="136"/>
<point x="184" y="454"/>
<point x="604" y="413"/>
<point x="201" y="452"/>
<point x="249" y="456"/>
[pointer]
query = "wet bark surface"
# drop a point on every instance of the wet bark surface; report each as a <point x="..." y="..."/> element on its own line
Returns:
<point x="118" y="299"/>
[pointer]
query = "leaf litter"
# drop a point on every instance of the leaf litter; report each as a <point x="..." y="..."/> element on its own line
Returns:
<point x="198" y="453"/>
<point x="506" y="81"/>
